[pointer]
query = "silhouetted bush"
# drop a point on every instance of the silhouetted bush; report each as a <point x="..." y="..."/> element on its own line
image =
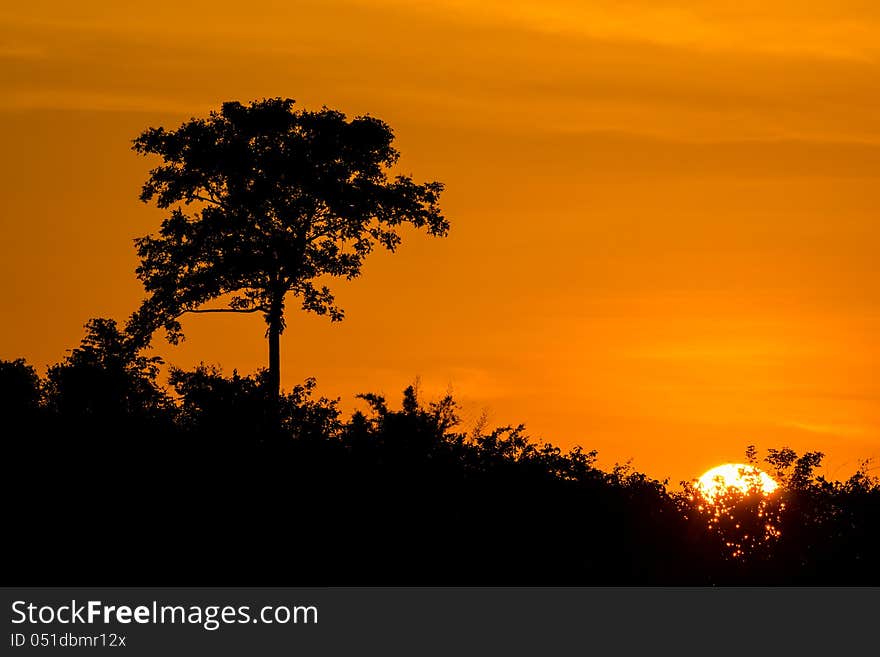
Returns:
<point x="106" y="380"/>
<point x="115" y="477"/>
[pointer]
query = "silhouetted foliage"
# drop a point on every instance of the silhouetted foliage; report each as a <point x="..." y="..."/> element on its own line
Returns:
<point x="265" y="201"/>
<point x="199" y="485"/>
<point x="21" y="397"/>
<point x="20" y="390"/>
<point x="105" y="377"/>
<point x="235" y="407"/>
<point x="809" y="530"/>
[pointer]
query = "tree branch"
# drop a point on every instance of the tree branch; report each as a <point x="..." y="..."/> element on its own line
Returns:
<point x="257" y="309"/>
<point x="204" y="199"/>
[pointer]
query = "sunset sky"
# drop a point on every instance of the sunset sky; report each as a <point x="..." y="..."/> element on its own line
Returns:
<point x="664" y="214"/>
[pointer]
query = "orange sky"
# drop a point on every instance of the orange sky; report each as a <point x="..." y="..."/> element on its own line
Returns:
<point x="664" y="215"/>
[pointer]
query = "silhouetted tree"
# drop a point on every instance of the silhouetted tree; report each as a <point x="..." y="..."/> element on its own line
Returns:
<point x="266" y="200"/>
<point x="20" y="389"/>
<point x="230" y="409"/>
<point x="106" y="377"/>
<point x="21" y="396"/>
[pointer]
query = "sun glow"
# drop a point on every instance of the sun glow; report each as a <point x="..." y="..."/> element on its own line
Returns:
<point x="719" y="480"/>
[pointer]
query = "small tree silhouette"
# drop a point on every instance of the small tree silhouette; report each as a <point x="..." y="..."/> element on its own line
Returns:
<point x="20" y="391"/>
<point x="105" y="376"/>
<point x="266" y="200"/>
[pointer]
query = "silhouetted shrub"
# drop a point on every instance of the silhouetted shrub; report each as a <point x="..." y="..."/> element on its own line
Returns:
<point x="20" y="390"/>
<point x="106" y="379"/>
<point x="204" y="484"/>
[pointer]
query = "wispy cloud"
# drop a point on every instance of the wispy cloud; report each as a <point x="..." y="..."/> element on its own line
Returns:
<point x="827" y="429"/>
<point x="827" y="30"/>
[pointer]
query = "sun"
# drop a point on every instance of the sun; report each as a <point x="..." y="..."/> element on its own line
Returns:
<point x="737" y="476"/>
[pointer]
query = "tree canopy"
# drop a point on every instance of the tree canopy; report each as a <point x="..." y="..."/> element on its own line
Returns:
<point x="266" y="200"/>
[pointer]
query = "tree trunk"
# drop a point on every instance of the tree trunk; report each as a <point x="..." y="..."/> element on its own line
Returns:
<point x="275" y="323"/>
<point x="275" y="359"/>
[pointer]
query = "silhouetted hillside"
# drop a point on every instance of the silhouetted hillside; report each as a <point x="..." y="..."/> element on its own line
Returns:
<point x="113" y="479"/>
